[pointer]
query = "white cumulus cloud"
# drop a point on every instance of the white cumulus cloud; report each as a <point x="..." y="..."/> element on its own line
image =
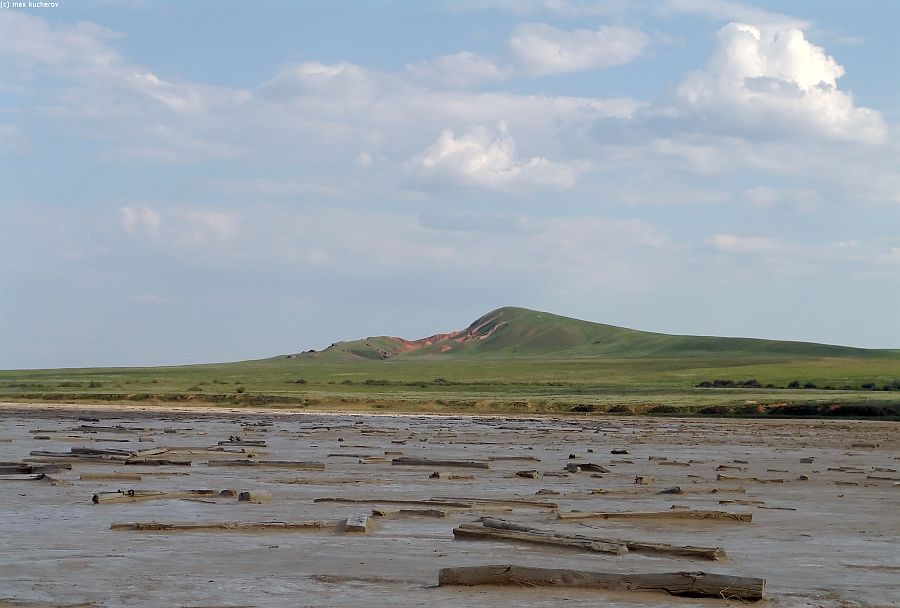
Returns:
<point x="483" y="158"/>
<point x="774" y="78"/>
<point x="543" y="49"/>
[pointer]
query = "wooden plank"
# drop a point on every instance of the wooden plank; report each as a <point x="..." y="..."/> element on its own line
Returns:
<point x="712" y="553"/>
<point x="130" y="496"/>
<point x="20" y="477"/>
<point x="234" y="526"/>
<point x="482" y="532"/>
<point x="508" y="502"/>
<point x="688" y="584"/>
<point x="672" y="514"/>
<point x="158" y="462"/>
<point x="110" y="477"/>
<point x="73" y="456"/>
<point x="409" y="512"/>
<point x="640" y="546"/>
<point x="424" y="462"/>
<point x="28" y="468"/>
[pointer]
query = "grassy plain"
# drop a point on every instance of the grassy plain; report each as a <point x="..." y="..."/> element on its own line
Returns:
<point x="523" y="384"/>
<point x="510" y="360"/>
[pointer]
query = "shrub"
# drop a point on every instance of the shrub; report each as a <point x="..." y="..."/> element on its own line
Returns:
<point x="664" y="409"/>
<point x="719" y="383"/>
<point x="583" y="408"/>
<point x="798" y="409"/>
<point x="794" y="384"/>
<point x="750" y="409"/>
<point x="715" y="410"/>
<point x="858" y="409"/>
<point x="621" y="409"/>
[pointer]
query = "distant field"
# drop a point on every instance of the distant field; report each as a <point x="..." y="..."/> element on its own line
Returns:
<point x="514" y="360"/>
<point x="522" y="384"/>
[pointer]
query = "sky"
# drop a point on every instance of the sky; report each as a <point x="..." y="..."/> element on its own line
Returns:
<point x="186" y="182"/>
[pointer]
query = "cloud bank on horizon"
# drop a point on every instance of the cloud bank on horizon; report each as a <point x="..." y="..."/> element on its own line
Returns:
<point x="270" y="179"/>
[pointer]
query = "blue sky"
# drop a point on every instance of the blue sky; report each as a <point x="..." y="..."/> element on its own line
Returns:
<point x="210" y="181"/>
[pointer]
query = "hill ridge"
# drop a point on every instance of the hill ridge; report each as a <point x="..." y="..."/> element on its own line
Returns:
<point x="520" y="332"/>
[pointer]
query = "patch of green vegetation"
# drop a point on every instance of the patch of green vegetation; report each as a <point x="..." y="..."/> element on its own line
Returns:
<point x="520" y="361"/>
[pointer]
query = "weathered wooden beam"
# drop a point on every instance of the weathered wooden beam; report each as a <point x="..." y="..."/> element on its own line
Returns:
<point x="158" y="462"/>
<point x="507" y="502"/>
<point x="71" y="456"/>
<point x="672" y="514"/>
<point x="409" y="512"/>
<point x="27" y="468"/>
<point x="236" y="526"/>
<point x="481" y="532"/>
<point x="129" y="496"/>
<point x="688" y="584"/>
<point x="712" y="553"/>
<point x="424" y="462"/>
<point x="110" y="477"/>
<point x="102" y="452"/>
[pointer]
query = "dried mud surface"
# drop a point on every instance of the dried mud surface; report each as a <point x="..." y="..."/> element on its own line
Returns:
<point x="830" y="540"/>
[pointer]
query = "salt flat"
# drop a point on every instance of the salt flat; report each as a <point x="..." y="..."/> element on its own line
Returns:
<point x="823" y="497"/>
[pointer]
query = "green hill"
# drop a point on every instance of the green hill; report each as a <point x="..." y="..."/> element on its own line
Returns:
<point x="519" y="332"/>
<point x="512" y="360"/>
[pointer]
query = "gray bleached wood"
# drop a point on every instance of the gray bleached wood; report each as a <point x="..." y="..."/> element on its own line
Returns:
<point x="689" y="584"/>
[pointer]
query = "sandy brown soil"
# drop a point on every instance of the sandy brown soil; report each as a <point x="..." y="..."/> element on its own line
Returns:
<point x="830" y="540"/>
